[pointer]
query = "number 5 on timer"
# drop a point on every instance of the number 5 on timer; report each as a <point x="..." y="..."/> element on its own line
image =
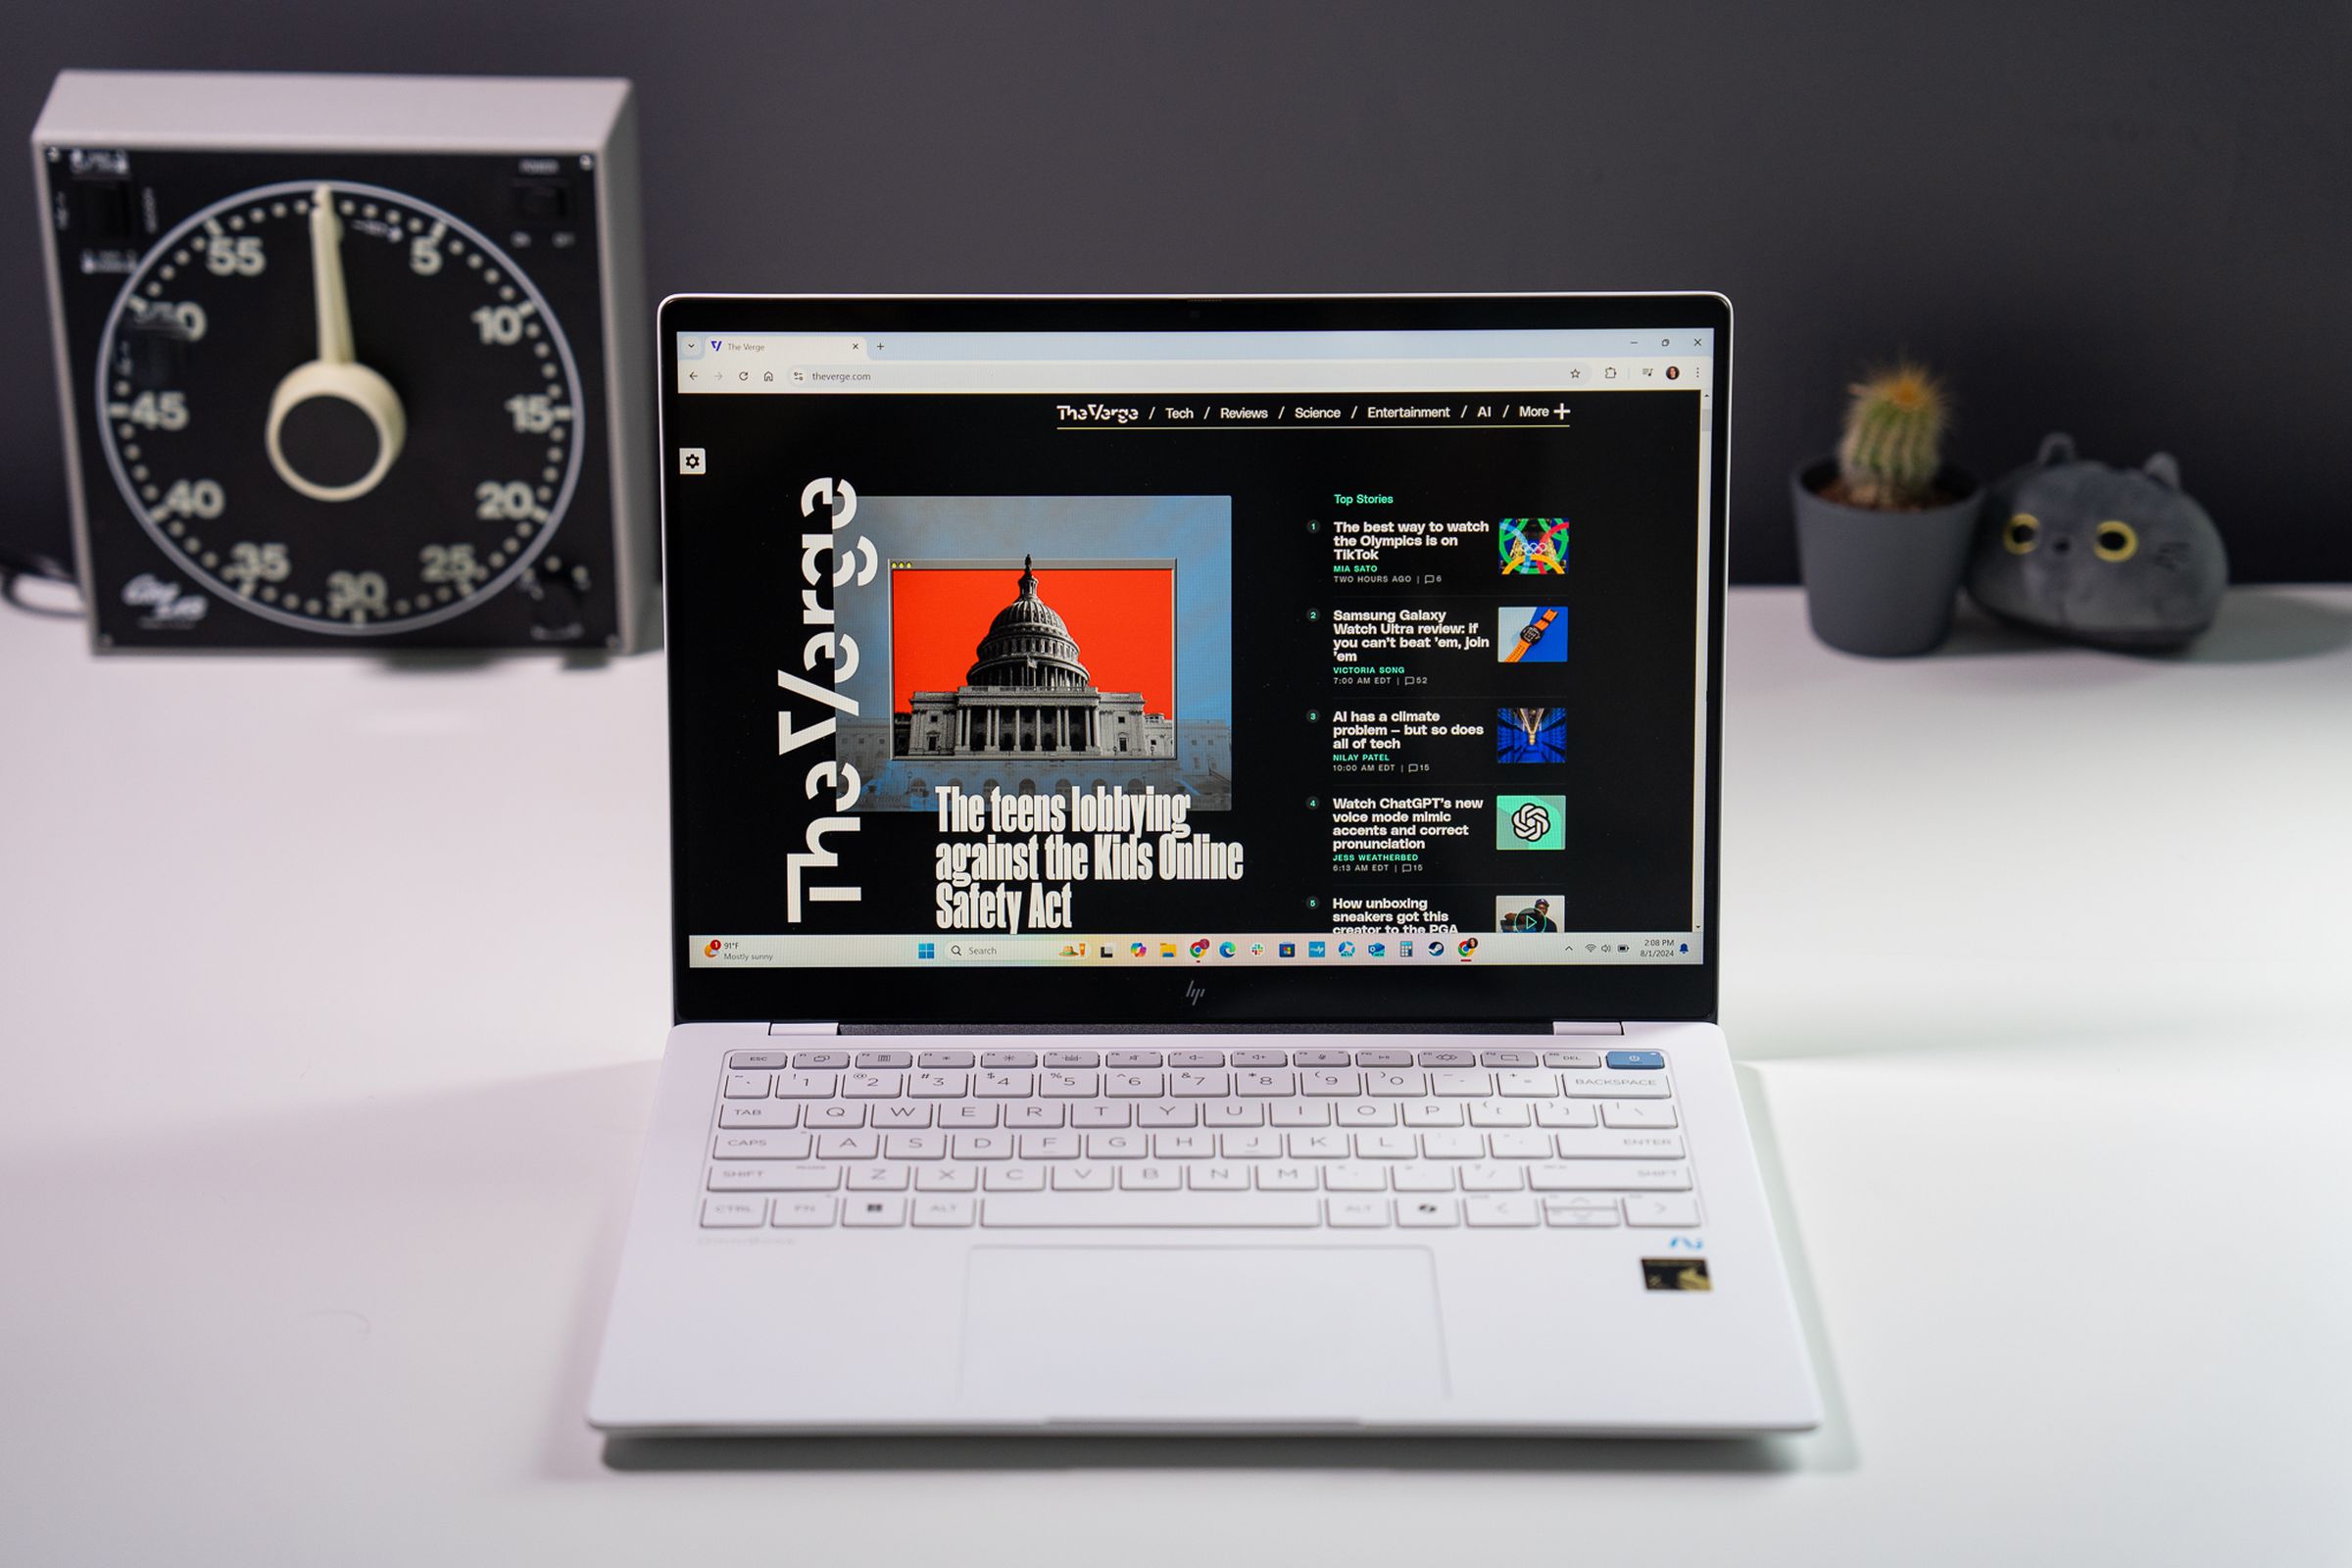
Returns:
<point x="341" y="356"/>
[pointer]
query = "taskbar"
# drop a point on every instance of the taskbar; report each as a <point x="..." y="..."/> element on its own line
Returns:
<point x="712" y="951"/>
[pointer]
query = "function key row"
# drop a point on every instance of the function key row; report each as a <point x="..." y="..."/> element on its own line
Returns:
<point x="826" y="1060"/>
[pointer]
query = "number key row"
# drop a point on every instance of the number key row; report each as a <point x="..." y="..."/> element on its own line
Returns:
<point x="1196" y="1083"/>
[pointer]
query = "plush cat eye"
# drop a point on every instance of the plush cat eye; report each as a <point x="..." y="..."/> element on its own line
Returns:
<point x="2022" y="535"/>
<point x="2114" y="541"/>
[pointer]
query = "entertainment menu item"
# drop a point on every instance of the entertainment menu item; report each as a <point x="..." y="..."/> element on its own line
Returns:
<point x="1191" y="659"/>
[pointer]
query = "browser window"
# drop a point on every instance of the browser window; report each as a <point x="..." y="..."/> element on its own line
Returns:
<point x="1195" y="648"/>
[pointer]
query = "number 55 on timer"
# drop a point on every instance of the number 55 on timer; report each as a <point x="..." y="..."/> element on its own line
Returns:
<point x="351" y="361"/>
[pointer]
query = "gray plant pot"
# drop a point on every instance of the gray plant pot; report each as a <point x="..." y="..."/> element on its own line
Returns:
<point x="1882" y="583"/>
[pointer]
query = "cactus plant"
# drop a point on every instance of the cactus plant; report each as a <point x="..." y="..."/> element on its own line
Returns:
<point x="1893" y="447"/>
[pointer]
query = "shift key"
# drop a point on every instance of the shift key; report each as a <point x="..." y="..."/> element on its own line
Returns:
<point x="1607" y="1176"/>
<point x="774" y="1178"/>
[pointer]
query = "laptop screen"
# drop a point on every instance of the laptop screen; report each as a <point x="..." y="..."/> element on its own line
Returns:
<point x="1204" y="648"/>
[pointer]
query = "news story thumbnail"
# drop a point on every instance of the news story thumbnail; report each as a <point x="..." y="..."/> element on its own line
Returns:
<point x="1531" y="735"/>
<point x="1529" y="911"/>
<point x="1035" y="645"/>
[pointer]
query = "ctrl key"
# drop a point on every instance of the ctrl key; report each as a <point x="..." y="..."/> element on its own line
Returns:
<point x="733" y="1213"/>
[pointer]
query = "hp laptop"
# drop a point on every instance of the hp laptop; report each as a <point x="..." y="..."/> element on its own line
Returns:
<point x="1194" y="828"/>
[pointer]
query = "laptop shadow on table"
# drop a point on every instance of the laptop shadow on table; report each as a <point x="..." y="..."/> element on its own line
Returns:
<point x="1827" y="1450"/>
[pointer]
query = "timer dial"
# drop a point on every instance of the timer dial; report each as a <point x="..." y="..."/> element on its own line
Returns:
<point x="303" y="381"/>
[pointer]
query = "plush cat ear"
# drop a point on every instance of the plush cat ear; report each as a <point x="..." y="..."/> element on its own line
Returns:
<point x="2056" y="447"/>
<point x="2164" y="468"/>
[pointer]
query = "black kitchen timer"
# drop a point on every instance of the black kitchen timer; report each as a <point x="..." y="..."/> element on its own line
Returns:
<point x="352" y="362"/>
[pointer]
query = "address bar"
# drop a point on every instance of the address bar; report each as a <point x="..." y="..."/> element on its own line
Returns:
<point x="1625" y="372"/>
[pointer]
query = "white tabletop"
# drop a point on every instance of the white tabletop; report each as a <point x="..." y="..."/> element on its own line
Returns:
<point x="331" y="996"/>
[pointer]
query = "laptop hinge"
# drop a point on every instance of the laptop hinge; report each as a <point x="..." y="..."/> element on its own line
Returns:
<point x="1587" y="1027"/>
<point x="804" y="1028"/>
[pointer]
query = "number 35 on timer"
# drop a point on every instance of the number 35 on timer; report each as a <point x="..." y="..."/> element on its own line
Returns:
<point x="352" y="362"/>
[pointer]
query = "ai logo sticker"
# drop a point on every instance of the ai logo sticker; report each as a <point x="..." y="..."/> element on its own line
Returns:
<point x="1675" y="1274"/>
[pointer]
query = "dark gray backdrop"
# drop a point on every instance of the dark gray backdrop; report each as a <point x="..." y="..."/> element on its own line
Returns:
<point x="2125" y="220"/>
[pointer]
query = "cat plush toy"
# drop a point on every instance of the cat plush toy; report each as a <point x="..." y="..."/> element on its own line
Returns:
<point x="2119" y="557"/>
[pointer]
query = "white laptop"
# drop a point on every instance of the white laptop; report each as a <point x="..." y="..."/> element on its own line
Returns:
<point x="1195" y="876"/>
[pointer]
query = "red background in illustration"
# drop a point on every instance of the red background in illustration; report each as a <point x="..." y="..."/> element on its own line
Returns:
<point x="1122" y="617"/>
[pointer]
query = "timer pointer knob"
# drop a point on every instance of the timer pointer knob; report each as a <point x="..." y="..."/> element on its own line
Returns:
<point x="333" y="418"/>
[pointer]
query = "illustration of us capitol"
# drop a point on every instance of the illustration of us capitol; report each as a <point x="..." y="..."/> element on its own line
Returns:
<point x="1029" y="718"/>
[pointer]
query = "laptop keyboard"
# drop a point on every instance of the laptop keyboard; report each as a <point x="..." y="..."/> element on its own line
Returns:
<point x="1296" y="1139"/>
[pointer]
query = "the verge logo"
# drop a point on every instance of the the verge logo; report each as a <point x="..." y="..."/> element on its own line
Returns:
<point x="1097" y="414"/>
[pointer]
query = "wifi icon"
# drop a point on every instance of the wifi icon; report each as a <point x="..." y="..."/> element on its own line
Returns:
<point x="1588" y="947"/>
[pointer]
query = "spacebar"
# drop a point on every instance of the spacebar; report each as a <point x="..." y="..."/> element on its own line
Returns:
<point x="1150" y="1210"/>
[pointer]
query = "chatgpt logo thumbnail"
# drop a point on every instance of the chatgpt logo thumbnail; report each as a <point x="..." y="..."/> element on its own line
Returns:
<point x="1531" y="821"/>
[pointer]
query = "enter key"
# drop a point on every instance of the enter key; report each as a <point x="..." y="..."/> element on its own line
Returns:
<point x="1607" y="1143"/>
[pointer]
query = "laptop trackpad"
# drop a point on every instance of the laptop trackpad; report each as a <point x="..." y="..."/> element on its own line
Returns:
<point x="1198" y="1333"/>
